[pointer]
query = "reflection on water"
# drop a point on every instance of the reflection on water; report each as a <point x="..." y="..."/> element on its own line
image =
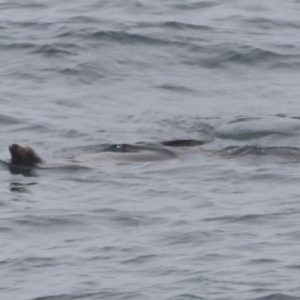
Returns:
<point x="21" y="187"/>
<point x="18" y="170"/>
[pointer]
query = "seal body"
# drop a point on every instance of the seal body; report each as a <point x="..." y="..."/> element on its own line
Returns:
<point x="23" y="156"/>
<point x="142" y="152"/>
<point x="27" y="157"/>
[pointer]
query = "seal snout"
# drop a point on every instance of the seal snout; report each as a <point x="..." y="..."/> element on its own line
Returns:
<point x="13" y="147"/>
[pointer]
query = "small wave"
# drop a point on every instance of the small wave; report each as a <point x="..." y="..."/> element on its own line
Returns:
<point x="29" y="262"/>
<point x="174" y="25"/>
<point x="247" y="134"/>
<point x="175" y="88"/>
<point x="33" y="127"/>
<point x="53" y="50"/>
<point x="18" y="46"/>
<point x="180" y="25"/>
<point x="277" y="297"/>
<point x="17" y="5"/>
<point x="84" y="72"/>
<point x="32" y="25"/>
<point x="248" y="56"/>
<point x="116" y="36"/>
<point x="270" y="24"/>
<point x="7" y="120"/>
<point x="257" y="218"/>
<point x="195" y="128"/>
<point x="250" y="218"/>
<point x="55" y="297"/>
<point x="104" y="294"/>
<point x="293" y="267"/>
<point x="33" y="5"/>
<point x="55" y="222"/>
<point x="67" y="102"/>
<point x="262" y="261"/>
<point x="72" y="133"/>
<point x="126" y="221"/>
<point x="286" y="152"/>
<point x="196" y="5"/>
<point x="140" y="259"/>
<point x="83" y="19"/>
<point x="125" y="37"/>
<point x="186" y="238"/>
<point x="187" y="297"/>
<point x="124" y="218"/>
<point x="218" y="56"/>
<point x="243" y="119"/>
<point x="249" y="129"/>
<point x="5" y="229"/>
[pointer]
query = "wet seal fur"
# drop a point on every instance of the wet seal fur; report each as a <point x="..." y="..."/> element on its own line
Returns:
<point x="23" y="156"/>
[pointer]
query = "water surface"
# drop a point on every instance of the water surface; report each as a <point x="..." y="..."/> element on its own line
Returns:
<point x="219" y="222"/>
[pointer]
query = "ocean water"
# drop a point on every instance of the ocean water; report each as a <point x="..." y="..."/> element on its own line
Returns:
<point x="221" y="221"/>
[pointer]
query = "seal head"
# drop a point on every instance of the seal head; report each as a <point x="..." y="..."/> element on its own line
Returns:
<point x="23" y="156"/>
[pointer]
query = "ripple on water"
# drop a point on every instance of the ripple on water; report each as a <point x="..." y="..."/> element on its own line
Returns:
<point x="109" y="294"/>
<point x="37" y="221"/>
<point x="277" y="297"/>
<point x="221" y="222"/>
<point x="8" y="120"/>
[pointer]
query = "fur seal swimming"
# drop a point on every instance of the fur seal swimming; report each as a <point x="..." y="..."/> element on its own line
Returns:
<point x="140" y="152"/>
<point x="27" y="157"/>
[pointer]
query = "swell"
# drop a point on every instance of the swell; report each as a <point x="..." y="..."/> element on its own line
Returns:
<point x="174" y="25"/>
<point x="221" y="55"/>
<point x="104" y="294"/>
<point x="121" y="37"/>
<point x="214" y="52"/>
<point x="8" y="120"/>
<point x="196" y="5"/>
<point x="17" y="5"/>
<point x="270" y="24"/>
<point x="277" y="297"/>
<point x="50" y="50"/>
<point x="41" y="25"/>
<point x="236" y="151"/>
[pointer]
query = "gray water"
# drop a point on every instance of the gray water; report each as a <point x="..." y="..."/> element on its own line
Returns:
<point x="219" y="222"/>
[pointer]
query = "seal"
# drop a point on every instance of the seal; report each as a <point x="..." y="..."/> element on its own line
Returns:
<point x="23" y="156"/>
<point x="123" y="153"/>
<point x="27" y="157"/>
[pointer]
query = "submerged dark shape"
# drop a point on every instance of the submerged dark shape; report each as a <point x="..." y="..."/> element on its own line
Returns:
<point x="23" y="156"/>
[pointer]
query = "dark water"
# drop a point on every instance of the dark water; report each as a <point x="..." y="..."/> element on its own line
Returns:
<point x="219" y="222"/>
